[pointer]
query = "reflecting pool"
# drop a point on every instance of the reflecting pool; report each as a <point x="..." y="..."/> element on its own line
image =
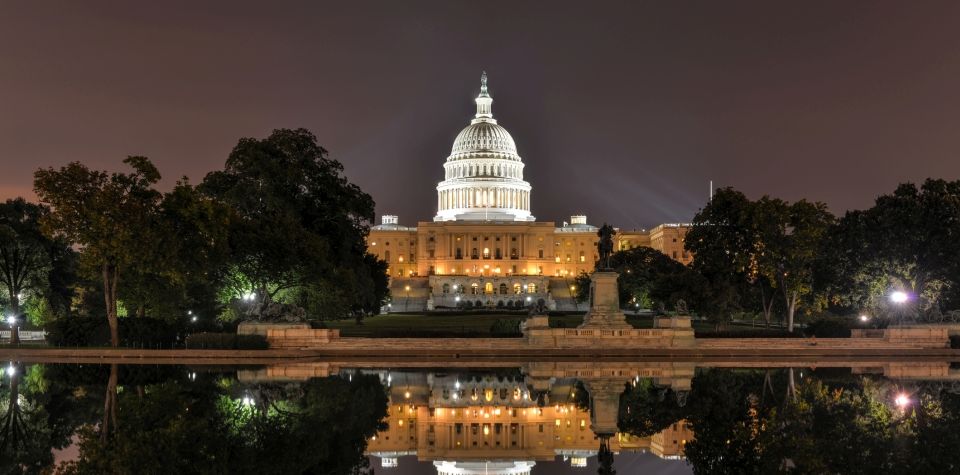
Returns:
<point x="453" y="417"/>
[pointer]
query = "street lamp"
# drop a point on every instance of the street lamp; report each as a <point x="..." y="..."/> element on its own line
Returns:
<point x="902" y="400"/>
<point x="864" y="318"/>
<point x="899" y="298"/>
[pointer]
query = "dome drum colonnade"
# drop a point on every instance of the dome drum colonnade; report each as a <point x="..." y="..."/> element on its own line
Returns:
<point x="484" y="173"/>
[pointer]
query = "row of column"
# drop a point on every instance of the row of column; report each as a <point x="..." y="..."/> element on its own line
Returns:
<point x="506" y="244"/>
<point x="492" y="197"/>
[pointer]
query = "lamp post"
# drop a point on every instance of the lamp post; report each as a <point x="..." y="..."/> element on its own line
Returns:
<point x="14" y="330"/>
<point x="899" y="298"/>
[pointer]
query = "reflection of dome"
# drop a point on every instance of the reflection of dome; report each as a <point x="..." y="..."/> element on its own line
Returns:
<point x="484" y="468"/>
<point x="483" y="176"/>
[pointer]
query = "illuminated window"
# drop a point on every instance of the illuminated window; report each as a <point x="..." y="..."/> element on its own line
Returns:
<point x="531" y="288"/>
<point x="486" y="253"/>
<point x="583" y="258"/>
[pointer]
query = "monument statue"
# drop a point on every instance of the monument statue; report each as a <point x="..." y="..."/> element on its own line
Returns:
<point x="605" y="247"/>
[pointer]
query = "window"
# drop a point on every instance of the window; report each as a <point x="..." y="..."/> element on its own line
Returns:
<point x="674" y="254"/>
<point x="540" y="253"/>
<point x="474" y="254"/>
<point x="474" y="288"/>
<point x="446" y="288"/>
<point x="513" y="238"/>
<point x="557" y="259"/>
<point x="583" y="258"/>
<point x="459" y="254"/>
<point x="411" y="257"/>
<point x="531" y="288"/>
<point x="516" y="288"/>
<point x="386" y="256"/>
<point x="568" y="257"/>
<point x="503" y="289"/>
<point x="488" y="288"/>
<point x="486" y="253"/>
<point x="498" y="254"/>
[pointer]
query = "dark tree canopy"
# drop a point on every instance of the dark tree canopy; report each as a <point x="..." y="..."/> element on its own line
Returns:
<point x="298" y="222"/>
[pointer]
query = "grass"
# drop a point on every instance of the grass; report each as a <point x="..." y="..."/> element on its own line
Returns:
<point x="468" y="325"/>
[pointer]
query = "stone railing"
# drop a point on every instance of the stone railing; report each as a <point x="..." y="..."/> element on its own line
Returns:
<point x="301" y="337"/>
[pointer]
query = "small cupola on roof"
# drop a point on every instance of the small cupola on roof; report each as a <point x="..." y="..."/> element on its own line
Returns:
<point x="484" y="173"/>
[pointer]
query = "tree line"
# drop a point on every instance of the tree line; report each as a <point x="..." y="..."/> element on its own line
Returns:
<point x="769" y="258"/>
<point x="280" y="222"/>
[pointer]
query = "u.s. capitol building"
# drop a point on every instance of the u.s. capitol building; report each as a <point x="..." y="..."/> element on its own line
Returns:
<point x="484" y="247"/>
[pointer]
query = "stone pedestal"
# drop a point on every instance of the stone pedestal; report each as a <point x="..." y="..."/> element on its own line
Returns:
<point x="604" y="310"/>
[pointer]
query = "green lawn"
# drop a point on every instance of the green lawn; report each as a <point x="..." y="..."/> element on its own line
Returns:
<point x="473" y="323"/>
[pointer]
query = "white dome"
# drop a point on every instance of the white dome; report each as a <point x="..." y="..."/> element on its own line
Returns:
<point x="483" y="138"/>
<point x="483" y="176"/>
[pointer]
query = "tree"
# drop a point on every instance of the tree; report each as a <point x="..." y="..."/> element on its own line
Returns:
<point x="647" y="277"/>
<point x="789" y="239"/>
<point x="907" y="241"/>
<point x="24" y="259"/>
<point x="297" y="220"/>
<point x="725" y="248"/>
<point x="185" y="268"/>
<point x="106" y="214"/>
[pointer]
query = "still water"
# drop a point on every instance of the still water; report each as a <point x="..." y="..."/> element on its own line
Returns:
<point x="568" y="417"/>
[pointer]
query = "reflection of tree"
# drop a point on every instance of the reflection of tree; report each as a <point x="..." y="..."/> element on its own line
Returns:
<point x="646" y="409"/>
<point x="213" y="426"/>
<point x="848" y="425"/>
<point x="23" y="433"/>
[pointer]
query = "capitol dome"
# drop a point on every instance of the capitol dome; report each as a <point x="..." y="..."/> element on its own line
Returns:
<point x="484" y="138"/>
<point x="484" y="173"/>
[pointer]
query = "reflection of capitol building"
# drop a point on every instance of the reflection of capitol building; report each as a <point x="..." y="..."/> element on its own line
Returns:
<point x="483" y="423"/>
<point x="484" y="246"/>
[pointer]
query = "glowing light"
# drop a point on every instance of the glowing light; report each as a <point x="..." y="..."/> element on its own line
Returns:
<point x="902" y="400"/>
<point x="11" y="370"/>
<point x="193" y="319"/>
<point x="899" y="297"/>
<point x="864" y="318"/>
<point x="12" y="320"/>
<point x="247" y="401"/>
<point x="406" y="395"/>
<point x="406" y="287"/>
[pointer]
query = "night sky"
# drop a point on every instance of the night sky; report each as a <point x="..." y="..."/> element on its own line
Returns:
<point x="621" y="110"/>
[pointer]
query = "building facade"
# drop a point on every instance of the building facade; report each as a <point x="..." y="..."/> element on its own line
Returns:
<point x="484" y="247"/>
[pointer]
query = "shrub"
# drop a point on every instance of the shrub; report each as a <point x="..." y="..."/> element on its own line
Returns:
<point x="506" y="328"/>
<point x="828" y="328"/>
<point x="133" y="332"/>
<point x="226" y="341"/>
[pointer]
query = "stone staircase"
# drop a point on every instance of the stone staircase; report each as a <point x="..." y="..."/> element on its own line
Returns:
<point x="563" y="298"/>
